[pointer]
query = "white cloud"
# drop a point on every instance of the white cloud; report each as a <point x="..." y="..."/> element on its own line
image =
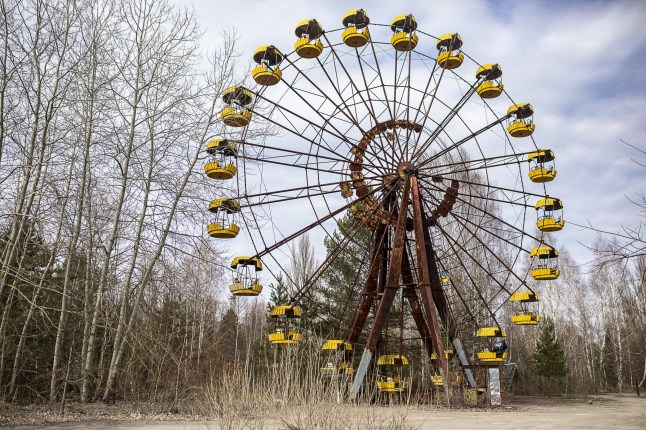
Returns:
<point x="581" y="64"/>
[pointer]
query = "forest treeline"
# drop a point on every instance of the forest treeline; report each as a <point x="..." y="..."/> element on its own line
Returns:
<point x="109" y="287"/>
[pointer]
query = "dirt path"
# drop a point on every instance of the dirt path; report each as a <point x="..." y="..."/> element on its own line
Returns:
<point x="605" y="412"/>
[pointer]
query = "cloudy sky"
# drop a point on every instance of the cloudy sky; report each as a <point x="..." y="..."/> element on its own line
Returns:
<point x="582" y="65"/>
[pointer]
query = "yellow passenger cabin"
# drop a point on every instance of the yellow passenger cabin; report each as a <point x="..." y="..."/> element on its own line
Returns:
<point x="445" y="278"/>
<point x="550" y="214"/>
<point x="308" y="44"/>
<point x="521" y="123"/>
<point x="525" y="306"/>
<point x="336" y="360"/>
<point x="222" y="161"/>
<point x="236" y="114"/>
<point x="267" y="72"/>
<point x="450" y="56"/>
<point x="285" y="327"/>
<point x="492" y="344"/>
<point x="245" y="281"/>
<point x="437" y="380"/>
<point x="392" y="373"/>
<point x="544" y="263"/>
<point x="223" y="226"/>
<point x="404" y="37"/>
<point x="541" y="166"/>
<point x="356" y="32"/>
<point x="492" y="86"/>
<point x="492" y="357"/>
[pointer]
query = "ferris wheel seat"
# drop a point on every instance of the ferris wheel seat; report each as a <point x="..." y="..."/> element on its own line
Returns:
<point x="546" y="274"/>
<point x="541" y="174"/>
<point x="527" y="318"/>
<point x="492" y="357"/>
<point x="447" y="353"/>
<point x="240" y="289"/>
<point x="489" y="90"/>
<point x="437" y="380"/>
<point x="280" y="338"/>
<point x="354" y="38"/>
<point x="329" y="372"/>
<point x="448" y="60"/>
<point x="403" y="41"/>
<point x="307" y="48"/>
<point x="392" y="386"/>
<point x="521" y="128"/>
<point x="217" y="231"/>
<point x="233" y="118"/>
<point x="263" y="75"/>
<point x="336" y="345"/>
<point x="550" y="224"/>
<point x="214" y="171"/>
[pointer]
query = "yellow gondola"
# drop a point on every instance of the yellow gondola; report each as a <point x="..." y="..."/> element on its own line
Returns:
<point x="492" y="86"/>
<point x="492" y="357"/>
<point x="450" y="56"/>
<point x="392" y="376"/>
<point x="496" y="352"/>
<point x="521" y="122"/>
<point x="236" y="115"/>
<point x="224" y="227"/>
<point x="223" y="154"/>
<point x="245" y="281"/>
<point x="437" y="380"/>
<point x="542" y="167"/>
<point x="527" y="303"/>
<point x="267" y="71"/>
<point x="404" y="37"/>
<point x="335" y="360"/>
<point x="544" y="263"/>
<point x="308" y="44"/>
<point x="550" y="214"/>
<point x="445" y="278"/>
<point x="356" y="32"/>
<point x="285" y="328"/>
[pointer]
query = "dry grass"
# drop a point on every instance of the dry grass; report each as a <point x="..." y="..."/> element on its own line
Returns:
<point x="293" y="396"/>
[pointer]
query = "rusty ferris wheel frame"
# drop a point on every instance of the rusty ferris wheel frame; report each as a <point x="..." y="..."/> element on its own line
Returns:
<point x="410" y="182"/>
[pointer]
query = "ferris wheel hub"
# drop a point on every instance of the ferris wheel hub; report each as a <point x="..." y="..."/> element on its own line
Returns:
<point x="406" y="169"/>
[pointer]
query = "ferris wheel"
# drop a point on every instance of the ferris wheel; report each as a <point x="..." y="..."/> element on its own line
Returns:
<point x="419" y="144"/>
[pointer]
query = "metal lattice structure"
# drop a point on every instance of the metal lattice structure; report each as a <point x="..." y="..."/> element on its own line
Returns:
<point x="424" y="147"/>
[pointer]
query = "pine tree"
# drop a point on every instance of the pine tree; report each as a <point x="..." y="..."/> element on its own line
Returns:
<point x="549" y="360"/>
<point x="342" y="283"/>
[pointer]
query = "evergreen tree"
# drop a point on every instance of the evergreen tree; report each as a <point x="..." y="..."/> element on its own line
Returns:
<point x="228" y="336"/>
<point x="549" y="360"/>
<point x="343" y="280"/>
<point x="279" y="294"/>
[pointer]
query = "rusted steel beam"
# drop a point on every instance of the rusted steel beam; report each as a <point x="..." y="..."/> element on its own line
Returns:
<point x="424" y="278"/>
<point x="413" y="301"/>
<point x="394" y="271"/>
<point x="369" y="287"/>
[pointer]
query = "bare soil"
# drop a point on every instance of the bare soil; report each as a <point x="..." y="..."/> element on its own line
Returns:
<point x="596" y="412"/>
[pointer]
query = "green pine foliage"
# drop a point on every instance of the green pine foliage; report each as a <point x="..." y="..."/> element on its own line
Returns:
<point x="549" y="360"/>
<point x="343" y="279"/>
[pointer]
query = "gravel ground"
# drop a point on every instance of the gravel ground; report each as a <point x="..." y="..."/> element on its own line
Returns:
<point x="598" y="412"/>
